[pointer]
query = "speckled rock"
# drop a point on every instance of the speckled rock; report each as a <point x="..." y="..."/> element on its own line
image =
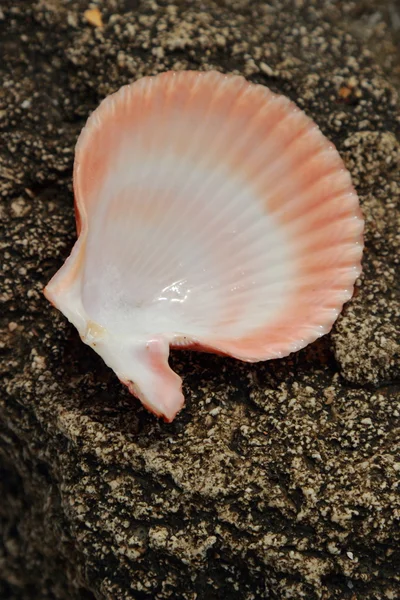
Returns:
<point x="278" y="480"/>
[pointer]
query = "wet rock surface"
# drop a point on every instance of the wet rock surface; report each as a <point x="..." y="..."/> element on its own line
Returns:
<point x="277" y="480"/>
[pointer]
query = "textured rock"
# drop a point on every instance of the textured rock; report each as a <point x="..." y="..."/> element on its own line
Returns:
<point x="278" y="480"/>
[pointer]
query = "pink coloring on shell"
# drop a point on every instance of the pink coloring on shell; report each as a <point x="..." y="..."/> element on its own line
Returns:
<point x="212" y="214"/>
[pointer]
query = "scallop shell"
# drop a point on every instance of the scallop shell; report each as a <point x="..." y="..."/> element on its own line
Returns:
<point x="213" y="214"/>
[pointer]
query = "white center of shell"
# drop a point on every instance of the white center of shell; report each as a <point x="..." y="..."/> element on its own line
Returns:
<point x="177" y="248"/>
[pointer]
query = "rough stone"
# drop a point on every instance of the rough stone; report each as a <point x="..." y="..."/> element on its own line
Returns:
<point x="277" y="480"/>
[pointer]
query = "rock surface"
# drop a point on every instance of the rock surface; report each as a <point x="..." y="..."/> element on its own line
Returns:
<point x="278" y="480"/>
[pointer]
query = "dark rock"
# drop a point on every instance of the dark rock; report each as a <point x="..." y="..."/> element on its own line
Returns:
<point x="278" y="480"/>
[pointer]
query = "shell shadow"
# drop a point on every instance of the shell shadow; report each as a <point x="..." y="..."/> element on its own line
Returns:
<point x="99" y="394"/>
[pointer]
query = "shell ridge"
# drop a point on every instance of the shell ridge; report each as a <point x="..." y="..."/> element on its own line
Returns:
<point x="345" y="190"/>
<point x="151" y="255"/>
<point x="200" y="133"/>
<point x="277" y="178"/>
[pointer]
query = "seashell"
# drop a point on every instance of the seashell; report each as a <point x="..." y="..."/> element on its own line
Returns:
<point x="212" y="214"/>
